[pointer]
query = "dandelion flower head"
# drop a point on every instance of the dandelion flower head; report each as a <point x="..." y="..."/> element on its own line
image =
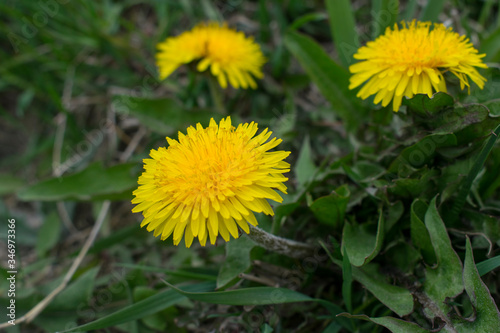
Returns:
<point x="230" y="55"/>
<point x="210" y="181"/>
<point x="412" y="60"/>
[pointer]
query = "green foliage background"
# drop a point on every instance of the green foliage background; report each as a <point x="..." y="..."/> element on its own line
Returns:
<point x="403" y="209"/>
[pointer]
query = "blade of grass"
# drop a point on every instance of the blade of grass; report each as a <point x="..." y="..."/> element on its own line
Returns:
<point x="264" y="19"/>
<point x="385" y="13"/>
<point x="343" y="29"/>
<point x="210" y="10"/>
<point x="299" y="22"/>
<point x="410" y="9"/>
<point x="393" y="324"/>
<point x="432" y="10"/>
<point x="179" y="273"/>
<point x="260" y="296"/>
<point x="331" y="78"/>
<point x="488" y="265"/>
<point x="141" y="309"/>
<point x="486" y="11"/>
<point x="245" y="296"/>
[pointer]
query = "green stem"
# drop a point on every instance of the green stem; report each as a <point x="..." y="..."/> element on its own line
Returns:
<point x="288" y="247"/>
<point x="216" y="93"/>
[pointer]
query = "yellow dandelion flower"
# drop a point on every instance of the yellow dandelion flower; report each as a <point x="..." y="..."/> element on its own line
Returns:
<point x="230" y="55"/>
<point x="210" y="181"/>
<point x="411" y="60"/>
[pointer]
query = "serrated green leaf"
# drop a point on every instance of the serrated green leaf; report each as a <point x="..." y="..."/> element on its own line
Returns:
<point x="487" y="316"/>
<point x="305" y="168"/>
<point x="331" y="209"/>
<point x="237" y="260"/>
<point x="365" y="172"/>
<point x="141" y="309"/>
<point x="424" y="106"/>
<point x="439" y="115"/>
<point x="476" y="132"/>
<point x="458" y="118"/>
<point x="395" y="298"/>
<point x="469" y="123"/>
<point x="493" y="106"/>
<point x="419" y="234"/>
<point x="361" y="245"/>
<point x="421" y="153"/>
<point x="93" y="183"/>
<point x="162" y="115"/>
<point x="331" y="79"/>
<point x="420" y="181"/>
<point x="444" y="280"/>
<point x="393" y="324"/>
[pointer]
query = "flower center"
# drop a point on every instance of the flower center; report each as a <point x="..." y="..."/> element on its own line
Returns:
<point x="212" y="163"/>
